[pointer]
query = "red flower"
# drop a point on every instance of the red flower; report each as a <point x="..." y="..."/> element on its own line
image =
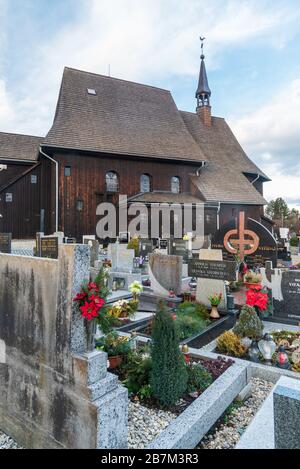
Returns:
<point x="257" y="298"/>
<point x="96" y="301"/>
<point x="93" y="286"/>
<point x="80" y="296"/>
<point x="89" y="311"/>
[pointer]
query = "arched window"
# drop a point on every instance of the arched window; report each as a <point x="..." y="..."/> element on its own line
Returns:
<point x="175" y="184"/>
<point x="145" y="185"/>
<point x="112" y="182"/>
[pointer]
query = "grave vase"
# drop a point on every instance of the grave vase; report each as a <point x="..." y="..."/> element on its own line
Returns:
<point x="214" y="314"/>
<point x="91" y="328"/>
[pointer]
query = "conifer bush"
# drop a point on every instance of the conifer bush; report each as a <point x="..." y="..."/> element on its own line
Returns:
<point x="249" y="324"/>
<point x="168" y="378"/>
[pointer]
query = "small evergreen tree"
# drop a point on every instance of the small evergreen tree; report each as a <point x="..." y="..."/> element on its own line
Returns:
<point x="169" y="376"/>
<point x="249" y="324"/>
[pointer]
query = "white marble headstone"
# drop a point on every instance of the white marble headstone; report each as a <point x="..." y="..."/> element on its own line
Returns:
<point x="207" y="287"/>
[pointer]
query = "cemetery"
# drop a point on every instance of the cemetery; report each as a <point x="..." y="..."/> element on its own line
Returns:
<point x="149" y="293"/>
<point x="166" y="360"/>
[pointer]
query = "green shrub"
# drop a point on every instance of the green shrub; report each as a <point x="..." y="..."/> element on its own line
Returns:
<point x="114" y="344"/>
<point x="294" y="241"/>
<point x="230" y="343"/>
<point x="249" y="324"/>
<point x="202" y="312"/>
<point x="168" y="377"/>
<point x="138" y="373"/>
<point x="199" y="378"/>
<point x="134" y="244"/>
<point x="189" y="325"/>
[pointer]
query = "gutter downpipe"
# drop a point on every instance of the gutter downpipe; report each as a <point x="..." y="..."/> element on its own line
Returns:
<point x="218" y="216"/>
<point x="256" y="179"/>
<point x="56" y="185"/>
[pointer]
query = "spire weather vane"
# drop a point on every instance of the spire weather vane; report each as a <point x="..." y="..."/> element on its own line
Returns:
<point x="202" y="39"/>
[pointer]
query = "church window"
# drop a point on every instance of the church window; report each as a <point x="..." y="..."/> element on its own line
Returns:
<point x="145" y="183"/>
<point x="112" y="182"/>
<point x="175" y="185"/>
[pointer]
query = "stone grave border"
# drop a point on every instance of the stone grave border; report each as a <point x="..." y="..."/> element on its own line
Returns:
<point x="188" y="429"/>
<point x="258" y="370"/>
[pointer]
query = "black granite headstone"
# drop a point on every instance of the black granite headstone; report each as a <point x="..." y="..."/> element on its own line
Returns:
<point x="267" y="248"/>
<point x="5" y="243"/>
<point x="179" y="247"/>
<point x="145" y="247"/>
<point x="218" y="270"/>
<point x="284" y="287"/>
<point x="163" y="244"/>
<point x="49" y="247"/>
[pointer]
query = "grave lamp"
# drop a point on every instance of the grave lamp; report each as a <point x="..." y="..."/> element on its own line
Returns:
<point x="254" y="352"/>
<point x="282" y="360"/>
<point x="193" y="284"/>
<point x="267" y="348"/>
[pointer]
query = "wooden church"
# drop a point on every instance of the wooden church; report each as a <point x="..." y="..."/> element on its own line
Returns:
<point x="111" y="137"/>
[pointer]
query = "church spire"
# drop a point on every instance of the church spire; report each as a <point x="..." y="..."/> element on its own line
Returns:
<point x="203" y="92"/>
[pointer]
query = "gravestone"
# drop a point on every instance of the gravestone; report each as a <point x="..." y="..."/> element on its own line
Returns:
<point x="55" y="392"/>
<point x="121" y="274"/>
<point x="5" y="243"/>
<point x="286" y="417"/>
<point x="209" y="286"/>
<point x="284" y="287"/>
<point x="165" y="274"/>
<point x="121" y="257"/>
<point x="266" y="249"/>
<point x="124" y="237"/>
<point x="218" y="270"/>
<point x="38" y="237"/>
<point x="179" y="247"/>
<point x="145" y="248"/>
<point x="70" y="241"/>
<point x="49" y="247"/>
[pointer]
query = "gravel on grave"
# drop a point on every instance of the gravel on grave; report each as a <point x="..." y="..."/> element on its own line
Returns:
<point x="227" y="433"/>
<point x="145" y="424"/>
<point x="7" y="443"/>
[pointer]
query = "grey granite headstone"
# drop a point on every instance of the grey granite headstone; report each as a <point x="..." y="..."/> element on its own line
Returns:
<point x="94" y="245"/>
<point x="121" y="257"/>
<point x="286" y="418"/>
<point x="165" y="273"/>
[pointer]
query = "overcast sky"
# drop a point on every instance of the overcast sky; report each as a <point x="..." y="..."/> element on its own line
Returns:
<point x="252" y="56"/>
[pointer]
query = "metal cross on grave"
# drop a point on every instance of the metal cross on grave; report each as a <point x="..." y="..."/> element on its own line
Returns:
<point x="242" y="241"/>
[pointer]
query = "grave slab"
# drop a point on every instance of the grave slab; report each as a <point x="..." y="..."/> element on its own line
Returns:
<point x="260" y="433"/>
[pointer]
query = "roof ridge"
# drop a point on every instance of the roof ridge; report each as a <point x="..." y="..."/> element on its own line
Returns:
<point x="21" y="135"/>
<point x="118" y="79"/>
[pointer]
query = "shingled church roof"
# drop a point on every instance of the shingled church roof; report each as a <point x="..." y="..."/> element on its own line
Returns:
<point x="224" y="176"/>
<point x="119" y="117"/>
<point x="103" y="114"/>
<point x="19" y="147"/>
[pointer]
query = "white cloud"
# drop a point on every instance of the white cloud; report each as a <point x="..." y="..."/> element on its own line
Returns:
<point x="142" y="41"/>
<point x="271" y="135"/>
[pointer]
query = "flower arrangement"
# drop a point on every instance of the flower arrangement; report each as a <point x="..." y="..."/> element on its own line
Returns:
<point x="215" y="299"/>
<point x="256" y="297"/>
<point x="114" y="344"/>
<point x="136" y="289"/>
<point x="253" y="277"/>
<point x="92" y="301"/>
<point x="123" y="308"/>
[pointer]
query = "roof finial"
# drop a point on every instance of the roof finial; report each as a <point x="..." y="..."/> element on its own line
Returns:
<point x="202" y="39"/>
